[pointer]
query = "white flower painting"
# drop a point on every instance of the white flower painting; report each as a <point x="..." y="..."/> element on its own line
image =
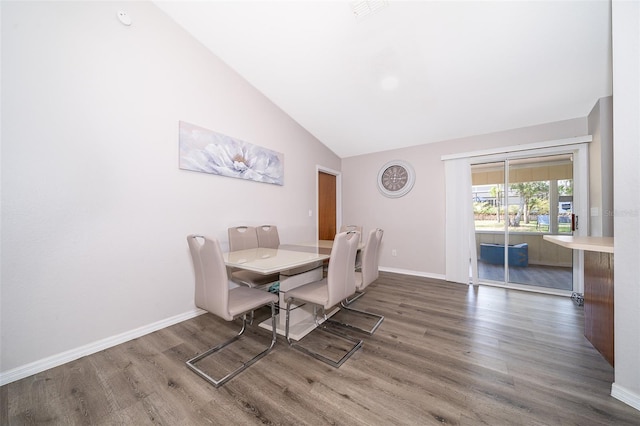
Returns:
<point x="204" y="150"/>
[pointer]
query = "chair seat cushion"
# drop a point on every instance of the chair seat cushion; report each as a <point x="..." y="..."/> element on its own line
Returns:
<point x="244" y="299"/>
<point x="253" y="279"/>
<point x="316" y="292"/>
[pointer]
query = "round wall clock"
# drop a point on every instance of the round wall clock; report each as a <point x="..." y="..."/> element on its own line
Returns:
<point x="396" y="178"/>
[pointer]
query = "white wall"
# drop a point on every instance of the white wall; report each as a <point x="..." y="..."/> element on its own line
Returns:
<point x="601" y="168"/>
<point x="626" y="177"/>
<point x="414" y="224"/>
<point x="94" y="208"/>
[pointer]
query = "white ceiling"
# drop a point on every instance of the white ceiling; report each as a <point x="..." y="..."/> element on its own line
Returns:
<point x="462" y="68"/>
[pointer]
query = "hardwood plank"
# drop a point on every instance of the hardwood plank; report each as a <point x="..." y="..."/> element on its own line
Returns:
<point x="445" y="354"/>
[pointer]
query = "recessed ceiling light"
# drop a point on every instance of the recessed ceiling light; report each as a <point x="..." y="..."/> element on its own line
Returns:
<point x="363" y="9"/>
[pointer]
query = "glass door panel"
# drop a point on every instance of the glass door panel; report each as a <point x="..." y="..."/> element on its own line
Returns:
<point x="515" y="211"/>
<point x="489" y="217"/>
<point x="540" y="202"/>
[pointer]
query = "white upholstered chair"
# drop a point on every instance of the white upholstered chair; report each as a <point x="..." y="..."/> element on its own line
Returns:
<point x="212" y="294"/>
<point x="268" y="236"/>
<point x="242" y="238"/>
<point x="328" y="292"/>
<point x="348" y="228"/>
<point x="368" y="272"/>
<point x="366" y="275"/>
<point x="357" y="228"/>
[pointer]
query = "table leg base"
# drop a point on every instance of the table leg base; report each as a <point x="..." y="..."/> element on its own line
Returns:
<point x="301" y="321"/>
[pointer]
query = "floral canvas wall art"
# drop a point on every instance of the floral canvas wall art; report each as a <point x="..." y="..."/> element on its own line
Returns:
<point x="206" y="151"/>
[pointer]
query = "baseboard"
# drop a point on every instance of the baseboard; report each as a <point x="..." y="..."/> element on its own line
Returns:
<point x="413" y="273"/>
<point x="73" y="354"/>
<point x="626" y="396"/>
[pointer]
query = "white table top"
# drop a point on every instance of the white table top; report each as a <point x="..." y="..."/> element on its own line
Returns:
<point x="327" y="244"/>
<point x="269" y="261"/>
<point x="601" y="244"/>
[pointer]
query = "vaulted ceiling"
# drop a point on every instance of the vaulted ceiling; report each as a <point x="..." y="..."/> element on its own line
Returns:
<point x="412" y="72"/>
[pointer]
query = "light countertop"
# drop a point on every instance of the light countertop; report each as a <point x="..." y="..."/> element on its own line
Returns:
<point x="600" y="244"/>
<point x="268" y="261"/>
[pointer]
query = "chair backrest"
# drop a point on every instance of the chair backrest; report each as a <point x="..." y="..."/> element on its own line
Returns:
<point x="348" y="228"/>
<point x="268" y="236"/>
<point x="242" y="237"/>
<point x="212" y="285"/>
<point x="341" y="278"/>
<point x="370" y="257"/>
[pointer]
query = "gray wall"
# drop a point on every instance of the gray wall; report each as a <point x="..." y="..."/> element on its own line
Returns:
<point x="601" y="168"/>
<point x="414" y="224"/>
<point x="626" y="177"/>
<point x="94" y="208"/>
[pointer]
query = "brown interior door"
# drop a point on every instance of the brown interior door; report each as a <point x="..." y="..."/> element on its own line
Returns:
<point x="326" y="206"/>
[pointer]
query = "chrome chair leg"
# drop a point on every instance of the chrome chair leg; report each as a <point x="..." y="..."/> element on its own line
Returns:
<point x="357" y="296"/>
<point x="219" y="382"/>
<point x="370" y="331"/>
<point x="357" y="343"/>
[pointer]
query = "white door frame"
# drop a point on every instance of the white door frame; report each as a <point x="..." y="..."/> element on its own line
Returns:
<point x="580" y="153"/>
<point x="338" y="176"/>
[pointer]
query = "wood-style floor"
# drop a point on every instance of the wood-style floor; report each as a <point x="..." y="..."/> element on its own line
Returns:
<point x="445" y="354"/>
<point x="557" y="277"/>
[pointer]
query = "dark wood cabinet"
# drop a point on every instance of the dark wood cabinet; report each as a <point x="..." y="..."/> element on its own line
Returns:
<point x="598" y="288"/>
<point x="598" y="302"/>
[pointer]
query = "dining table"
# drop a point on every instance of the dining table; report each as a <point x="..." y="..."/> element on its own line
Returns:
<point x="296" y="264"/>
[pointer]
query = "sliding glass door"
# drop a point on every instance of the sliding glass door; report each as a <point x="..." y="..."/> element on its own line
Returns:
<point x="516" y="201"/>
<point x="489" y="211"/>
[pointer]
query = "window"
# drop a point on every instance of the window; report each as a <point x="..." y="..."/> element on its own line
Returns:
<point x="538" y="199"/>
